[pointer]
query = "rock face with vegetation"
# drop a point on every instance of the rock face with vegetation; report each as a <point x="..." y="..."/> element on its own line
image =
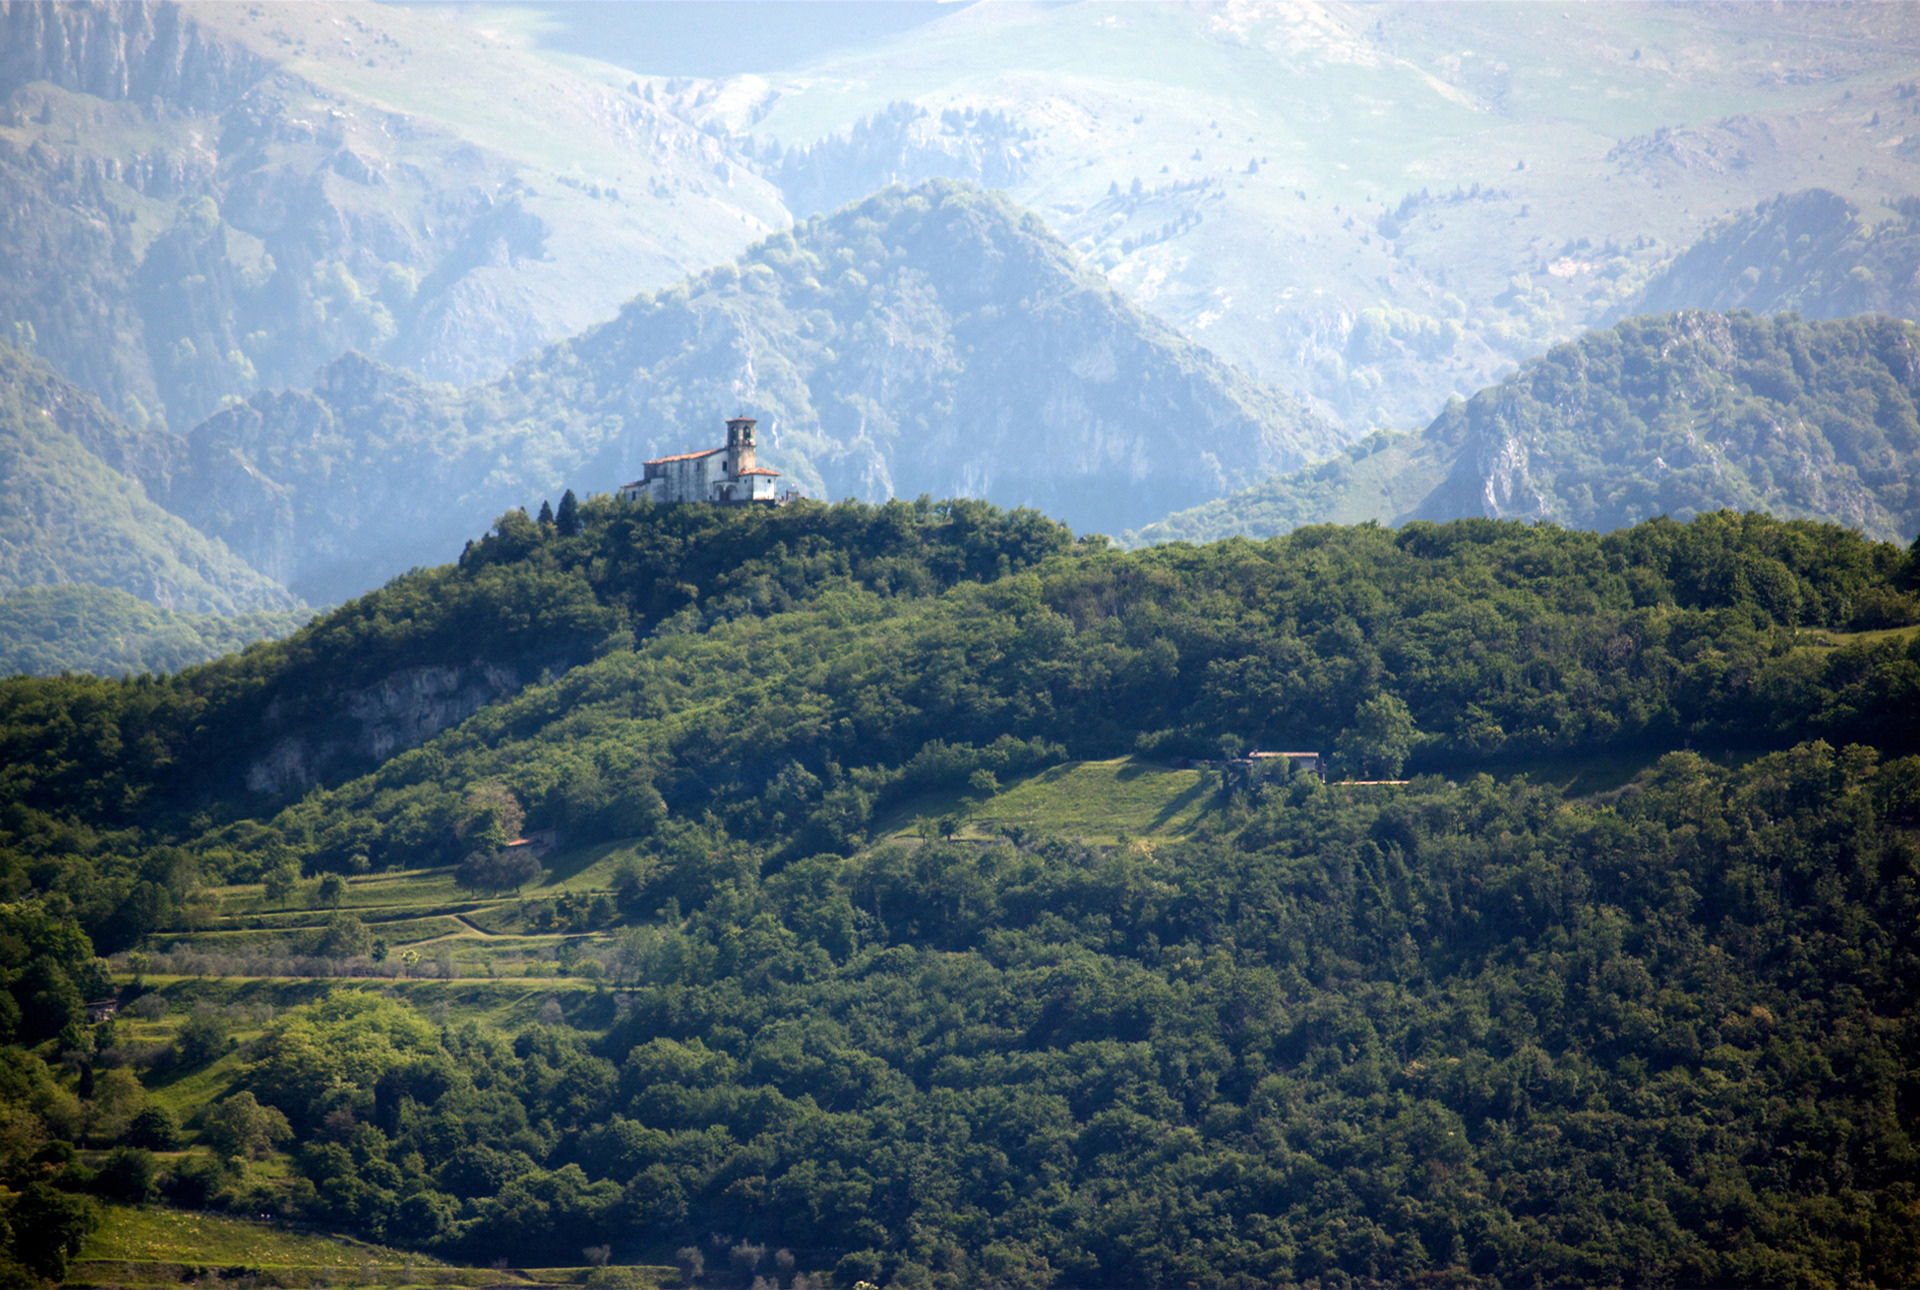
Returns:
<point x="933" y="340"/>
<point x="1461" y="1026"/>
<point x="208" y="199"/>
<point x="1813" y="252"/>
<point x="73" y="509"/>
<point x="1673" y="414"/>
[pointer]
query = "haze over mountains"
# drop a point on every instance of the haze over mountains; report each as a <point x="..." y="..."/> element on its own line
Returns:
<point x="932" y="341"/>
<point x="899" y="886"/>
<point x="1664" y="414"/>
<point x="357" y="278"/>
<point x="1322" y="188"/>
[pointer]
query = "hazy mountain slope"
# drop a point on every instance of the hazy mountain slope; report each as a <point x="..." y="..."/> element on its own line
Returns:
<point x="1515" y="170"/>
<point x="1812" y="251"/>
<point x="1374" y="207"/>
<point x="936" y="340"/>
<point x="66" y="516"/>
<point x="205" y="199"/>
<point x="1671" y="414"/>
<point x="1383" y="477"/>
<point x="75" y="628"/>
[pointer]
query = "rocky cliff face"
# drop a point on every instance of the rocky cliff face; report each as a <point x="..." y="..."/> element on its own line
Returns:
<point x="137" y="50"/>
<point x="369" y="725"/>
<point x="188" y="221"/>
<point x="1671" y="414"/>
<point x="1694" y="411"/>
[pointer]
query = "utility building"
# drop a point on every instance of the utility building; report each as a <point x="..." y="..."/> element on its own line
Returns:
<point x="726" y="476"/>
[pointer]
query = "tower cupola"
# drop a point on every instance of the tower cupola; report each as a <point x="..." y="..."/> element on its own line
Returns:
<point x="740" y="452"/>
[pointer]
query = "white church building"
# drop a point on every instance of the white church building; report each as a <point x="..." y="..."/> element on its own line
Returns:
<point x="726" y="476"/>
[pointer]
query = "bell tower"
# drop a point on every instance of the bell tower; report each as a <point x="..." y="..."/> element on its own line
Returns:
<point x="740" y="454"/>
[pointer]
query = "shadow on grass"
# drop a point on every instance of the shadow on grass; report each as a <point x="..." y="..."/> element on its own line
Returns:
<point x="1178" y="804"/>
<point x="569" y="865"/>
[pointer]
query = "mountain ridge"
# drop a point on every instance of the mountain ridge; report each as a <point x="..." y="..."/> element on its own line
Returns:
<point x="934" y="340"/>
<point x="1676" y="414"/>
<point x="214" y="199"/>
<point x="1812" y="252"/>
<point x="68" y="515"/>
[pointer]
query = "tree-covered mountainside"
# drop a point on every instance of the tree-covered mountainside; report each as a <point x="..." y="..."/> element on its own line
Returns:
<point x="1458" y="1028"/>
<point x="1672" y="414"/>
<point x="1813" y="252"/>
<point x="208" y="199"/>
<point x="69" y="514"/>
<point x="73" y="627"/>
<point x="934" y="340"/>
<point x="847" y="641"/>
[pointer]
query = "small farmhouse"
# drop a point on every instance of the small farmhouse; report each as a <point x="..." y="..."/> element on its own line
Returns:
<point x="726" y="476"/>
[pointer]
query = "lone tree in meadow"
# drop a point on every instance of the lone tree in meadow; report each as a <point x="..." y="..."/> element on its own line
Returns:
<point x="280" y="880"/>
<point x="508" y="869"/>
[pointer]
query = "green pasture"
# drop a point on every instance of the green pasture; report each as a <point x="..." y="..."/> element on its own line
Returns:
<point x="151" y="1246"/>
<point x="1094" y="801"/>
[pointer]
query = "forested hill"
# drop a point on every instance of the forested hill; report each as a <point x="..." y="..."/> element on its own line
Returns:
<point x="1469" y="1030"/>
<point x="934" y="340"/>
<point x="851" y="640"/>
<point x="1668" y="414"/>
<point x="1813" y="252"/>
<point x="74" y="508"/>
<point x="75" y="627"/>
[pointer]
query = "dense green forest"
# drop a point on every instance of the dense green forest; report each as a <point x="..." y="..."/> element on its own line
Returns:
<point x="78" y="628"/>
<point x="1468" y="1029"/>
<point x="1667" y="414"/>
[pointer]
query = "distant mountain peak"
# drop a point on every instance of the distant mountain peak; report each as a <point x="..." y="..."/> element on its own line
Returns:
<point x="1811" y="251"/>
<point x="1677" y="414"/>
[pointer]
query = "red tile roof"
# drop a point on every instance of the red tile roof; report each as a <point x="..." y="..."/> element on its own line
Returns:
<point x="684" y="456"/>
<point x="761" y="470"/>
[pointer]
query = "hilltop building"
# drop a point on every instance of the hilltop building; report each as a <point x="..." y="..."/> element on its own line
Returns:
<point x="726" y="476"/>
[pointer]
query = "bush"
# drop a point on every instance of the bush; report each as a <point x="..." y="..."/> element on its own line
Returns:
<point x="128" y="1174"/>
<point x="239" y="1127"/>
<point x="508" y="869"/>
<point x="49" y="1228"/>
<point x="203" y="1036"/>
<point x="153" y="1129"/>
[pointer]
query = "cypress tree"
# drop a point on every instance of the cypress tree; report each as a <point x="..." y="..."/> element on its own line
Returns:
<point x="546" y="513"/>
<point x="569" y="516"/>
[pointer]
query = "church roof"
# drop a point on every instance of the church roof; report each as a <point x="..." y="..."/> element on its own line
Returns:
<point x="682" y="456"/>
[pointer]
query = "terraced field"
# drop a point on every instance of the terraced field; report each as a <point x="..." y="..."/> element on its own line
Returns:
<point x="137" y="1247"/>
